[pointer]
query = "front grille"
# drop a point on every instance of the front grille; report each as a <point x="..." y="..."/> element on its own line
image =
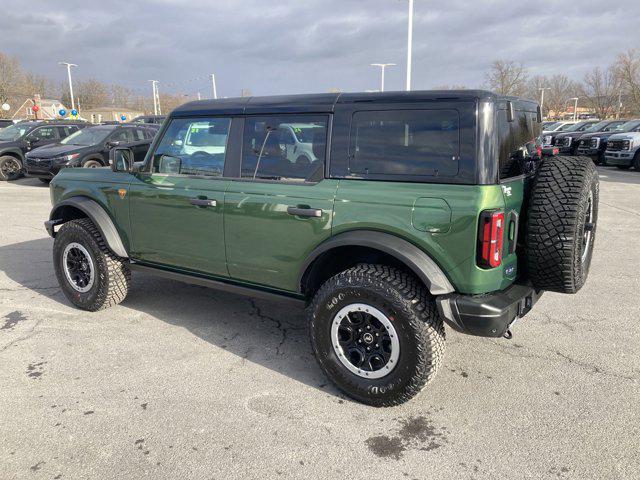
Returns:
<point x="39" y="163"/>
<point x="617" y="145"/>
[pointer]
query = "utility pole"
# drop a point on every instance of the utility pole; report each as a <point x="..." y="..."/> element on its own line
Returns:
<point x="409" y="44"/>
<point x="69" y="65"/>
<point x="575" y="108"/>
<point x="156" y="98"/>
<point x="542" y="89"/>
<point x="213" y="86"/>
<point x="382" y="67"/>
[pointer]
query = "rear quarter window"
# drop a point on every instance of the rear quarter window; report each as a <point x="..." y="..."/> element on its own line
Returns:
<point x="405" y="142"/>
<point x="517" y="142"/>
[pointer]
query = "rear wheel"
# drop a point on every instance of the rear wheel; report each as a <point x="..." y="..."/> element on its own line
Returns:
<point x="561" y="223"/>
<point x="90" y="275"/>
<point x="376" y="333"/>
<point x="636" y="161"/>
<point x="10" y="168"/>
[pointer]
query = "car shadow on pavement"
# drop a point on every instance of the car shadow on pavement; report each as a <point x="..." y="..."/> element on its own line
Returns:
<point x="267" y="333"/>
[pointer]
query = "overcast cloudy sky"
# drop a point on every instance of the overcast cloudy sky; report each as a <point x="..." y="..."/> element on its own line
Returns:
<point x="295" y="46"/>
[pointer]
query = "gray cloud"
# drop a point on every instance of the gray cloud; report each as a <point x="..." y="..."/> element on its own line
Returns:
<point x="290" y="46"/>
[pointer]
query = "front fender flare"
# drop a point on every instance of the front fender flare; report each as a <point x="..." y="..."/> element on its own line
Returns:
<point x="98" y="216"/>
<point x="416" y="259"/>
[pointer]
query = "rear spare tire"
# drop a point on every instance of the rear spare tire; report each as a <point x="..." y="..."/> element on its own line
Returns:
<point x="561" y="223"/>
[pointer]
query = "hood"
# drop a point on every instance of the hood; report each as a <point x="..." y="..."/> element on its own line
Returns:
<point x="573" y="135"/>
<point x="9" y="144"/>
<point x="604" y="135"/>
<point x="625" y="136"/>
<point x="55" y="150"/>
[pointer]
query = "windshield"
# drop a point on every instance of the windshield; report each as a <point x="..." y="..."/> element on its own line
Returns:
<point x="565" y="127"/>
<point x="597" y="127"/>
<point x="549" y="125"/>
<point x="13" y="132"/>
<point x="627" y="127"/>
<point x="87" y="136"/>
<point x="575" y="127"/>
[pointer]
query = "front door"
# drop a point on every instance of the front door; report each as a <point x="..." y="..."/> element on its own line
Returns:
<point x="280" y="209"/>
<point x="177" y="205"/>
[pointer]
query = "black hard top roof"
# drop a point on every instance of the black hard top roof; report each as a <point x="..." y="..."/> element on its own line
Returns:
<point x="326" y="102"/>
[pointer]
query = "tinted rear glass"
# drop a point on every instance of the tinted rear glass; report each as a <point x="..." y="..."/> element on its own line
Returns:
<point x="405" y="142"/>
<point x="517" y="142"/>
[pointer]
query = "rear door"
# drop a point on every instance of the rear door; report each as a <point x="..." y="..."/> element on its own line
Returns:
<point x="280" y="209"/>
<point x="177" y="205"/>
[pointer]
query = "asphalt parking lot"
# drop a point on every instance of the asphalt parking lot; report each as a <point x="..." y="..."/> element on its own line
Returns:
<point x="184" y="382"/>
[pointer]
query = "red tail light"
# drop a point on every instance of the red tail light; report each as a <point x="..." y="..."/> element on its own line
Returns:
<point x="490" y="236"/>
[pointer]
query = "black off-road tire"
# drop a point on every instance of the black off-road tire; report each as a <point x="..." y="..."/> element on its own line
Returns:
<point x="407" y="303"/>
<point x="14" y="175"/>
<point x="112" y="276"/>
<point x="555" y="232"/>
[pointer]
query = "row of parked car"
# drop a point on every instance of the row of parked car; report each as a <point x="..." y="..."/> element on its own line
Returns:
<point x="607" y="142"/>
<point x="41" y="148"/>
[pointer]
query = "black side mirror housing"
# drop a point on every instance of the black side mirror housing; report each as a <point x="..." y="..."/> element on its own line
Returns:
<point x="121" y="159"/>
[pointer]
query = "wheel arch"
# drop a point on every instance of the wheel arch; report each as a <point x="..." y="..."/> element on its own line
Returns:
<point x="84" y="207"/>
<point x="347" y="249"/>
<point x="13" y="152"/>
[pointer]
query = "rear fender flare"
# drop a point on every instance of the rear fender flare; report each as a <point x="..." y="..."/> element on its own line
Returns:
<point x="418" y="261"/>
<point x="98" y="216"/>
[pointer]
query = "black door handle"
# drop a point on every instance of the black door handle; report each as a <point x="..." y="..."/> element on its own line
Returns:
<point x="304" y="212"/>
<point x="203" y="202"/>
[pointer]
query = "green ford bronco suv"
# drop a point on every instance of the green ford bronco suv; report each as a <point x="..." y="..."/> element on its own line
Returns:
<point x="386" y="214"/>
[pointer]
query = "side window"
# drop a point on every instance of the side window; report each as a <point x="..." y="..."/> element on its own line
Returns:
<point x="193" y="146"/>
<point x="284" y="147"/>
<point x="138" y="134"/>
<point x="405" y="142"/>
<point x="121" y="135"/>
<point x="42" y="133"/>
<point x="517" y="142"/>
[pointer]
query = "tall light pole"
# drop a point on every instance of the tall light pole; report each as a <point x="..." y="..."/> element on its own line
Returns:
<point x="409" y="44"/>
<point x="69" y="65"/>
<point x="382" y="67"/>
<point x="156" y="97"/>
<point x="575" y="108"/>
<point x="213" y="85"/>
<point x="542" y="89"/>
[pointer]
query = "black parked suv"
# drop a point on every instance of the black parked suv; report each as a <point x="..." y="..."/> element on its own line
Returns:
<point x="157" y="119"/>
<point x="16" y="140"/>
<point x="568" y="142"/>
<point x="87" y="148"/>
<point x="595" y="144"/>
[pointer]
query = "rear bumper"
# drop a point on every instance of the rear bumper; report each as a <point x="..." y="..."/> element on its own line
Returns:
<point x="487" y="315"/>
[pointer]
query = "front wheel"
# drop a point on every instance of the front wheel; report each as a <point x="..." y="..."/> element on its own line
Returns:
<point x="92" y="164"/>
<point x="90" y="275"/>
<point x="376" y="333"/>
<point x="10" y="168"/>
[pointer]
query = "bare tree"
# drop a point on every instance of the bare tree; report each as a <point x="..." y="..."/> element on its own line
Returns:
<point x="627" y="69"/>
<point x="90" y="93"/>
<point x="600" y="90"/>
<point x="507" y="77"/>
<point x="11" y="81"/>
<point x="561" y="90"/>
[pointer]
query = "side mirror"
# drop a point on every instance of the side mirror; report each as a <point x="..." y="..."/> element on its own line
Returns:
<point x="121" y="159"/>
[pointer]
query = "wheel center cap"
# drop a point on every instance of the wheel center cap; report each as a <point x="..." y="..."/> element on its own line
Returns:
<point x="367" y="338"/>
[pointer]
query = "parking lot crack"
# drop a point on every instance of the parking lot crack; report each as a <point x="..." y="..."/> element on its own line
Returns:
<point x="257" y="312"/>
<point x="29" y="334"/>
